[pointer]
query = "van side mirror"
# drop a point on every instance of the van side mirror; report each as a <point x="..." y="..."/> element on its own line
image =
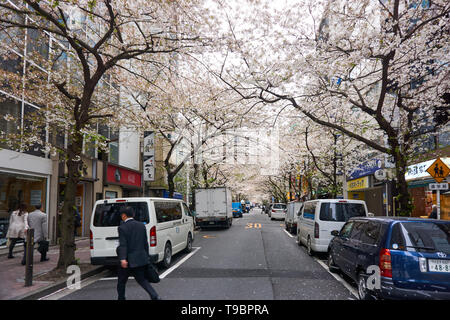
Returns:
<point x="370" y="214"/>
<point x="335" y="233"/>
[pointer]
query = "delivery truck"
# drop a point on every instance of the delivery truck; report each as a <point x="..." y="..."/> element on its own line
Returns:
<point x="213" y="207"/>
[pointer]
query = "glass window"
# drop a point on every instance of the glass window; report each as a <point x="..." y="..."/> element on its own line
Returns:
<point x="427" y="236"/>
<point x="309" y="212"/>
<point x="341" y="211"/>
<point x="37" y="42"/>
<point x="15" y="189"/>
<point x="371" y="233"/>
<point x="12" y="108"/>
<point x="108" y="215"/>
<point x="358" y="229"/>
<point x="346" y="229"/>
<point x="279" y="206"/>
<point x="29" y="122"/>
<point x="186" y="210"/>
<point x="168" y="211"/>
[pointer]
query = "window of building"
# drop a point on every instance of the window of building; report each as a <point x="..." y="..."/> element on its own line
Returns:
<point x="15" y="189"/>
<point x="13" y="109"/>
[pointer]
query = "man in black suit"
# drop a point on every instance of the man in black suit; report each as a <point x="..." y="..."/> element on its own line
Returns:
<point x="133" y="254"/>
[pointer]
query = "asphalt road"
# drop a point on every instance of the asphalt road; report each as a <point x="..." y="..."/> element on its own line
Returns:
<point x="255" y="259"/>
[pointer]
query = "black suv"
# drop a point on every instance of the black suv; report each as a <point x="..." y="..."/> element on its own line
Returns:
<point x="410" y="257"/>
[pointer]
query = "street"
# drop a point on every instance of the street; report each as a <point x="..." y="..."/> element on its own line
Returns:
<point x="253" y="260"/>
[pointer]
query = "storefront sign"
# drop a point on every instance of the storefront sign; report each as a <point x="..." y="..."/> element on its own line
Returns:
<point x="419" y="171"/>
<point x="149" y="156"/>
<point x="122" y="176"/>
<point x="365" y="169"/>
<point x="358" y="184"/>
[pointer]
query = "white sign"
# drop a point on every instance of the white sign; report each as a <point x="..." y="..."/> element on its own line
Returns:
<point x="149" y="143"/>
<point x="438" y="186"/>
<point x="149" y="156"/>
<point x="380" y="175"/>
<point x="149" y="168"/>
<point x="419" y="171"/>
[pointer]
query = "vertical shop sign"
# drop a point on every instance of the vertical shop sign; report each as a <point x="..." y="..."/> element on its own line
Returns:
<point x="149" y="156"/>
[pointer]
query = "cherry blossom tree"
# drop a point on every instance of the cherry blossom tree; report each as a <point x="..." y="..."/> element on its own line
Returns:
<point x="373" y="70"/>
<point x="98" y="38"/>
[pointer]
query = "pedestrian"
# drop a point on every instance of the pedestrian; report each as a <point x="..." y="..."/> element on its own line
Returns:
<point x="37" y="220"/>
<point x="133" y="253"/>
<point x="433" y="214"/>
<point x="17" y="230"/>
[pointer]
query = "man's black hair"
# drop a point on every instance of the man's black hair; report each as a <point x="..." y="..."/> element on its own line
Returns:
<point x="128" y="211"/>
<point x="38" y="206"/>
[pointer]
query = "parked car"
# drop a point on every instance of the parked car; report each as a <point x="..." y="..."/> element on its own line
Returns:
<point x="293" y="211"/>
<point x="237" y="210"/>
<point x="413" y="256"/>
<point x="169" y="224"/>
<point x="320" y="217"/>
<point x="278" y="211"/>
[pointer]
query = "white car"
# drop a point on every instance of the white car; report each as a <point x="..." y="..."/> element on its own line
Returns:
<point x="169" y="224"/>
<point x="320" y="217"/>
<point x="278" y="211"/>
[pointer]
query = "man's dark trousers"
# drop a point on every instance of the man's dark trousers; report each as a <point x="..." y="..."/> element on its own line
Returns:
<point x="139" y="276"/>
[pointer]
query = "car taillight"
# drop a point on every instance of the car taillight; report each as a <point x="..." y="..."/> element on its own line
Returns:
<point x="273" y="210"/>
<point x="316" y="230"/>
<point x="153" y="236"/>
<point x="385" y="263"/>
<point x="91" y="237"/>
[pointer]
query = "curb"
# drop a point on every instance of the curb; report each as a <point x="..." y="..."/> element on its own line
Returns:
<point x="39" y="293"/>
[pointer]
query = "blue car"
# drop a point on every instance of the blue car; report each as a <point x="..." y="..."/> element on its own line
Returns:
<point x="394" y="258"/>
<point x="237" y="209"/>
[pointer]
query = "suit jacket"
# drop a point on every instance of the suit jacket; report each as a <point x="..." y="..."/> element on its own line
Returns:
<point x="37" y="220"/>
<point x="133" y="243"/>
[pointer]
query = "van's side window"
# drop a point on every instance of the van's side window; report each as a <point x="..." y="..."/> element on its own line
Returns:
<point x="168" y="211"/>
<point x="186" y="210"/>
<point x="309" y="211"/>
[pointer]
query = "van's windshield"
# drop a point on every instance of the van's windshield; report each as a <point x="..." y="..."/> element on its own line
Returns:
<point x="108" y="215"/>
<point x="341" y="211"/>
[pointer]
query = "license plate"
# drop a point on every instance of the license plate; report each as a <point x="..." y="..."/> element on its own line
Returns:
<point x="211" y="222"/>
<point x="435" y="265"/>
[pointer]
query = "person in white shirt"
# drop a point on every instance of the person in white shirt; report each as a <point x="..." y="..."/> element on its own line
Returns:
<point x="18" y="226"/>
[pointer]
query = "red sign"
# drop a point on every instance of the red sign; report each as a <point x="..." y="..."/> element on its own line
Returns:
<point x="122" y="176"/>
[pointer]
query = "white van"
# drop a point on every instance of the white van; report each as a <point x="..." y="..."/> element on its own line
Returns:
<point x="294" y="209"/>
<point x="169" y="224"/>
<point x="320" y="217"/>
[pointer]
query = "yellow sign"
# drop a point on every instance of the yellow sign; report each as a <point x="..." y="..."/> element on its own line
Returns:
<point x="357" y="184"/>
<point x="438" y="170"/>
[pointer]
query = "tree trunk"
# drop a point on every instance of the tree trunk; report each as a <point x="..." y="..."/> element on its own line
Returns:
<point x="67" y="241"/>
<point x="404" y="197"/>
<point x="171" y="184"/>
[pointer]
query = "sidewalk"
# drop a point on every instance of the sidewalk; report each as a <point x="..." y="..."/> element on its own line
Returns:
<point x="12" y="273"/>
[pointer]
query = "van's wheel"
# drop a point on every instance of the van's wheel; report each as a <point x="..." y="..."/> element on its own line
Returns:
<point x="188" y="244"/>
<point x="167" y="256"/>
<point x="308" y="247"/>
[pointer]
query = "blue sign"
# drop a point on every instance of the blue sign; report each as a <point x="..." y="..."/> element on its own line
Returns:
<point x="365" y="169"/>
<point x="176" y="195"/>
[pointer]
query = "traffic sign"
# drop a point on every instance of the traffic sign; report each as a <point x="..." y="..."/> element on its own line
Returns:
<point x="438" y="186"/>
<point x="438" y="170"/>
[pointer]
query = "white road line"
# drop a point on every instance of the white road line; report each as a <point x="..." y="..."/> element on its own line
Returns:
<point x="168" y="271"/>
<point x="338" y="278"/>
<point x="290" y="235"/>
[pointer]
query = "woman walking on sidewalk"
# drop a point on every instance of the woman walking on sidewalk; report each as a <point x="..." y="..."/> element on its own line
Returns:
<point x="18" y="226"/>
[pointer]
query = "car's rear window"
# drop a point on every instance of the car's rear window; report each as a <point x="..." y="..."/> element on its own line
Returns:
<point x="108" y="215"/>
<point x="341" y="211"/>
<point x="279" y="206"/>
<point x="424" y="236"/>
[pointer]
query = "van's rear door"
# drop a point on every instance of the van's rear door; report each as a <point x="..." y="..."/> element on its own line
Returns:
<point x="105" y="222"/>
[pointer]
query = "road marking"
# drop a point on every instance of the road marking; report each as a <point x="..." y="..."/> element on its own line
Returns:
<point x="338" y="278"/>
<point x="66" y="291"/>
<point x="168" y="271"/>
<point x="290" y="235"/>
